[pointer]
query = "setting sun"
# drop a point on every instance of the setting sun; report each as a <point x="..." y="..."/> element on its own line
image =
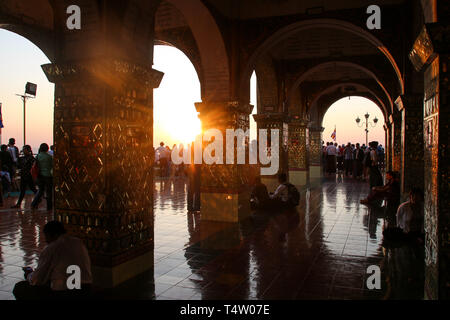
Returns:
<point x="175" y="117"/>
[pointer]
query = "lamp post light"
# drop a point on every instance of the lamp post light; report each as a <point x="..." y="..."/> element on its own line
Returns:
<point x="366" y="123"/>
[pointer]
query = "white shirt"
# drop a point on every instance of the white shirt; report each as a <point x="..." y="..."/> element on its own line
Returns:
<point x="408" y="220"/>
<point x="12" y="151"/>
<point x="331" y="150"/>
<point x="54" y="260"/>
<point x="281" y="193"/>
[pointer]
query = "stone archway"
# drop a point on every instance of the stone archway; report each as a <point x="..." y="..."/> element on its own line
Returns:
<point x="211" y="47"/>
<point x="283" y="33"/>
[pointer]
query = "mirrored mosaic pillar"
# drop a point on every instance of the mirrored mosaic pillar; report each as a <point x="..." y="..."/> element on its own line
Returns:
<point x="103" y="133"/>
<point x="411" y="141"/>
<point x="225" y="191"/>
<point x="396" y="140"/>
<point x="388" y="147"/>
<point x="279" y="122"/>
<point x="431" y="54"/>
<point x="298" y="151"/>
<point x="315" y="152"/>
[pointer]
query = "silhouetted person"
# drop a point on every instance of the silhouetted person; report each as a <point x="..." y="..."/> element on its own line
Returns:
<point x="358" y="158"/>
<point x="259" y="198"/>
<point x="390" y="191"/>
<point x="410" y="214"/>
<point x="163" y="159"/>
<point x="14" y="151"/>
<point x="193" y="172"/>
<point x="45" y="177"/>
<point x="26" y="180"/>
<point x="286" y="195"/>
<point x="375" y="178"/>
<point x="348" y="159"/>
<point x="51" y="280"/>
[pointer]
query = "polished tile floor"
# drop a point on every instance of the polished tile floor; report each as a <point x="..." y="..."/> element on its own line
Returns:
<point x="321" y="251"/>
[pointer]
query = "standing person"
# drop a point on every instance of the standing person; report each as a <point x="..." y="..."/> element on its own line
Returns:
<point x="193" y="172"/>
<point x="52" y="150"/>
<point x="13" y="150"/>
<point x="380" y="154"/>
<point x="366" y="161"/>
<point x="348" y="159"/>
<point x="26" y="180"/>
<point x="169" y="169"/>
<point x="331" y="159"/>
<point x="7" y="168"/>
<point x="325" y="157"/>
<point x="161" y="150"/>
<point x="358" y="158"/>
<point x="45" y="177"/>
<point x="340" y="158"/>
<point x="375" y="178"/>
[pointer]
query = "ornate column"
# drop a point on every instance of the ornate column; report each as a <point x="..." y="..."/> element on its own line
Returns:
<point x="225" y="195"/>
<point x="396" y="140"/>
<point x="412" y="164"/>
<point x="315" y="152"/>
<point x="103" y="133"/>
<point x="103" y="162"/>
<point x="298" y="151"/>
<point x="388" y="146"/>
<point x="275" y="121"/>
<point x="431" y="54"/>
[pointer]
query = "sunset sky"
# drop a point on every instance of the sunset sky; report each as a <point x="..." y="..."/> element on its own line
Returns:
<point x="175" y="117"/>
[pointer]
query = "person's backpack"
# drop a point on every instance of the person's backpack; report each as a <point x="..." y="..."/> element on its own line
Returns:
<point x="293" y="195"/>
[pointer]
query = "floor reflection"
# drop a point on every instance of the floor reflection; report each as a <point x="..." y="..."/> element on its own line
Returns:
<point x="320" y="251"/>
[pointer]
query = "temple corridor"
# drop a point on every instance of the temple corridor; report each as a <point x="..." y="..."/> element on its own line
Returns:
<point x="324" y="255"/>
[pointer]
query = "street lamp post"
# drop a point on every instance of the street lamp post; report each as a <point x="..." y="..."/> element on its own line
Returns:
<point x="30" y="92"/>
<point x="366" y="123"/>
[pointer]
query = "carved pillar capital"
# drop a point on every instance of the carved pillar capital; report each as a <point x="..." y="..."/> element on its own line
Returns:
<point x="111" y="72"/>
<point x="224" y="115"/>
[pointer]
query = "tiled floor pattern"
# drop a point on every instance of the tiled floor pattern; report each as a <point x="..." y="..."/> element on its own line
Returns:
<point x="328" y="244"/>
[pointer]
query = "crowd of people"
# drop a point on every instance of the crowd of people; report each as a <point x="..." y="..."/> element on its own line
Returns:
<point x="352" y="159"/>
<point x="163" y="158"/>
<point x="21" y="170"/>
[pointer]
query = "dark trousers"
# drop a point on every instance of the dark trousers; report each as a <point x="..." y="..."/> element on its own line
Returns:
<point x="24" y="183"/>
<point x="45" y="184"/>
<point x="163" y="167"/>
<point x="348" y="166"/>
<point x="24" y="291"/>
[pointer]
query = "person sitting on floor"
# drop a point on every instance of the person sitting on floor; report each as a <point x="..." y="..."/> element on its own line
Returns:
<point x="286" y="195"/>
<point x="390" y="191"/>
<point x="410" y="215"/>
<point x="51" y="280"/>
<point x="259" y="198"/>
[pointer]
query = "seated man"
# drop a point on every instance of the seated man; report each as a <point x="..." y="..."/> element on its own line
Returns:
<point x="390" y="191"/>
<point x="51" y="280"/>
<point x="410" y="214"/>
<point x="259" y="198"/>
<point x="286" y="195"/>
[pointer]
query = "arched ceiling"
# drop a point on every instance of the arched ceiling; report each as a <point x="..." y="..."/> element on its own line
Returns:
<point x="37" y="13"/>
<point x="322" y="42"/>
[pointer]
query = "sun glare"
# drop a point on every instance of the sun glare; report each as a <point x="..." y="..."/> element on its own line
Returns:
<point x="175" y="117"/>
